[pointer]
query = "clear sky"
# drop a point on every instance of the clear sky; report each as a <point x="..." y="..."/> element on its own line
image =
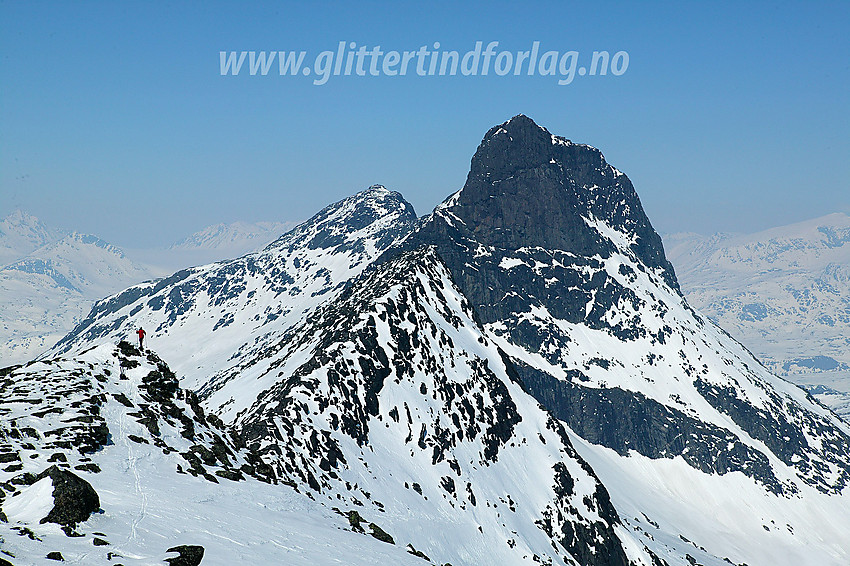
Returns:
<point x="115" y="118"/>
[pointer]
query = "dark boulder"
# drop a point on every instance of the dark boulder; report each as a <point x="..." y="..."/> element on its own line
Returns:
<point x="74" y="499"/>
<point x="128" y="349"/>
<point x="189" y="555"/>
<point x="160" y="384"/>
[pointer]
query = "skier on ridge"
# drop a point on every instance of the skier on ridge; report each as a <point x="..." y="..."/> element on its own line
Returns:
<point x="141" y="333"/>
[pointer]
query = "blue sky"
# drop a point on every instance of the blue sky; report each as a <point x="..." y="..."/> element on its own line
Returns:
<point x="115" y="119"/>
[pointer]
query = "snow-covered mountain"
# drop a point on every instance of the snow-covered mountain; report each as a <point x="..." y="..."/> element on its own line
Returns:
<point x="49" y="278"/>
<point x="405" y="332"/>
<point x="48" y="291"/>
<point x="783" y="292"/>
<point x="512" y="379"/>
<point x="242" y="236"/>
<point x="207" y="320"/>
<point x="217" y="242"/>
<point x="551" y="246"/>
<point x="21" y="234"/>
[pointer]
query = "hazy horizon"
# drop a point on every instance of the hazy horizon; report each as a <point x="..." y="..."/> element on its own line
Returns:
<point x="117" y="120"/>
<point x="171" y="246"/>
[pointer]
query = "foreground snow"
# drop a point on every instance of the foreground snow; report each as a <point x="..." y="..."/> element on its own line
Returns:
<point x="147" y="506"/>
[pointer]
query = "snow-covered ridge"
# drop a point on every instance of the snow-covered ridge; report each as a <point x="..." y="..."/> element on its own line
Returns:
<point x="208" y="318"/>
<point x="164" y="474"/>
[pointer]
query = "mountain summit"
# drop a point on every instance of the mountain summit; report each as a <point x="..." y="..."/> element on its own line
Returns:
<point x="528" y="187"/>
<point x="528" y="191"/>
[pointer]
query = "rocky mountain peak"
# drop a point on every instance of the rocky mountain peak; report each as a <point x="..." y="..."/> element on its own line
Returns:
<point x="529" y="188"/>
<point x="374" y="213"/>
<point x="512" y="146"/>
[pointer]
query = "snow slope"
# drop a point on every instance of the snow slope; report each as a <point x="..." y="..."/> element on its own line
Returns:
<point x="165" y="476"/>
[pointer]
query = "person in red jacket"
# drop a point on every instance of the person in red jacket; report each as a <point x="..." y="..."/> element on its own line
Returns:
<point x="141" y="334"/>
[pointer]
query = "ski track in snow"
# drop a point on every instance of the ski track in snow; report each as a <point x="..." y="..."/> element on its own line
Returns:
<point x="132" y="460"/>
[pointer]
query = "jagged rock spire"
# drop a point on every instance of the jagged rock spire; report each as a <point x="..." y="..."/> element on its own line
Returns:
<point x="527" y="187"/>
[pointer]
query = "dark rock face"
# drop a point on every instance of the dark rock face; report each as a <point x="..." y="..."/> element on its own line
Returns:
<point x="74" y="499"/>
<point x="787" y="437"/>
<point x="529" y="197"/>
<point x="160" y="384"/>
<point x="625" y="421"/>
<point x="189" y="555"/>
<point x="527" y="187"/>
<point x="380" y="534"/>
<point x="128" y="349"/>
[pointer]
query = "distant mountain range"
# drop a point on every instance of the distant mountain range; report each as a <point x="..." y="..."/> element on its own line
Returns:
<point x="783" y="292"/>
<point x="241" y="237"/>
<point x="49" y="278"/>
<point x="21" y="234"/>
